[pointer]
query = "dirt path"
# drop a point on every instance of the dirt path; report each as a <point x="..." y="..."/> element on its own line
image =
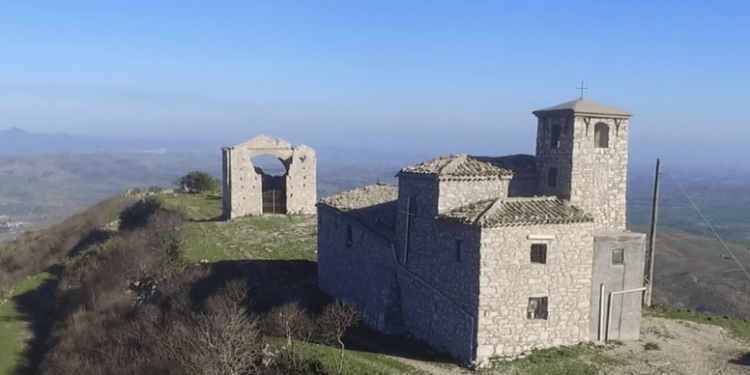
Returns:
<point x="685" y="348"/>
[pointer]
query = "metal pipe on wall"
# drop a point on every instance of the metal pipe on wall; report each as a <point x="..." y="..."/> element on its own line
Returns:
<point x="609" y="312"/>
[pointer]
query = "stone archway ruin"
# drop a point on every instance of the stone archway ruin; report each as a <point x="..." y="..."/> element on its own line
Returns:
<point x="247" y="190"/>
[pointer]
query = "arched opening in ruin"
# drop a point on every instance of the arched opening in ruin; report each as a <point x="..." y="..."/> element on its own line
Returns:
<point x="272" y="172"/>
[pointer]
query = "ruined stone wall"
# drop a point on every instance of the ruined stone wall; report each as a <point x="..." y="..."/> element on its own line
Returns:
<point x="363" y="274"/>
<point x="457" y="193"/>
<point x="243" y="186"/>
<point x="599" y="175"/>
<point x="301" y="193"/>
<point x="508" y="279"/>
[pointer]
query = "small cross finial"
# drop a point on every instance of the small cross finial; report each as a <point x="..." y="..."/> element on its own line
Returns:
<point x="582" y="88"/>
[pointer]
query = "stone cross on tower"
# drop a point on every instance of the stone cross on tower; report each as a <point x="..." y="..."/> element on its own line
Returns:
<point x="582" y="88"/>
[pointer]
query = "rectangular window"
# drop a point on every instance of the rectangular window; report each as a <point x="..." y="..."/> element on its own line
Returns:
<point x="537" y="308"/>
<point x="459" y="250"/>
<point x="539" y="253"/>
<point x="618" y="257"/>
<point x="552" y="177"/>
<point x="349" y="236"/>
<point x="555" y="138"/>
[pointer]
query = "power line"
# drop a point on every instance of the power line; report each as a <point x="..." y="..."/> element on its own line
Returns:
<point x="710" y="226"/>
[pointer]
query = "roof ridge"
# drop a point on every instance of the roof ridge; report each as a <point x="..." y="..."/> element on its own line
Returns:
<point x="482" y="218"/>
<point x="536" y="198"/>
<point x="452" y="165"/>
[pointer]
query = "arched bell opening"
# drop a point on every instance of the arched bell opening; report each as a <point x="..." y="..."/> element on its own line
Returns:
<point x="273" y="174"/>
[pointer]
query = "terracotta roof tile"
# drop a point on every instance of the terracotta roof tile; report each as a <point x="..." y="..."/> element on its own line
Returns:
<point x="374" y="206"/>
<point x="516" y="163"/>
<point x="518" y="211"/>
<point x="458" y="166"/>
<point x="362" y="197"/>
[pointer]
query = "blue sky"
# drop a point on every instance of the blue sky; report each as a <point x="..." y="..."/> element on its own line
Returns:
<point x="438" y="76"/>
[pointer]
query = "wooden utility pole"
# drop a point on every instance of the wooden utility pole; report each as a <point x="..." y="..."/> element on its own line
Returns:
<point x="652" y="238"/>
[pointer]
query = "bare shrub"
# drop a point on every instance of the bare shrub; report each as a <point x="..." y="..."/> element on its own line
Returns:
<point x="172" y="339"/>
<point x="333" y="323"/>
<point x="222" y="339"/>
<point x="290" y="321"/>
<point x="289" y="362"/>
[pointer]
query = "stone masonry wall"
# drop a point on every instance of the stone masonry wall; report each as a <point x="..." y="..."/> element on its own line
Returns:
<point x="524" y="185"/>
<point x="508" y="279"/>
<point x="301" y="188"/>
<point x="429" y="316"/>
<point x="560" y="157"/>
<point x="243" y="186"/>
<point x="458" y="193"/>
<point x="363" y="275"/>
<point x="592" y="178"/>
<point x="439" y="285"/>
<point x="599" y="175"/>
<point x="445" y="256"/>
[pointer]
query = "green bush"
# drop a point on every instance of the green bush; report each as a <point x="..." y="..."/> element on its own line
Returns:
<point x="198" y="182"/>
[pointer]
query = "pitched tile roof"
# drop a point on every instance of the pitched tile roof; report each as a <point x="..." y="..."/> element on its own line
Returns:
<point x="362" y="197"/>
<point x="374" y="206"/>
<point x="516" y="163"/>
<point x="585" y="106"/>
<point x="458" y="166"/>
<point x="517" y="211"/>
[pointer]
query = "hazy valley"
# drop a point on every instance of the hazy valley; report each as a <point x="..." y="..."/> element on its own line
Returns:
<point x="692" y="268"/>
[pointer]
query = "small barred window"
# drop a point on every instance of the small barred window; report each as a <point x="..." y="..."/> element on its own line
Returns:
<point x="537" y="308"/>
<point x="539" y="253"/>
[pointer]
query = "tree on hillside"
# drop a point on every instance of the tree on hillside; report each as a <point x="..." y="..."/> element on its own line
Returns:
<point x="333" y="322"/>
<point x="198" y="182"/>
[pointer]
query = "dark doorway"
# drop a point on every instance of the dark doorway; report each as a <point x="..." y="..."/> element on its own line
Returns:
<point x="273" y="176"/>
<point x="274" y="202"/>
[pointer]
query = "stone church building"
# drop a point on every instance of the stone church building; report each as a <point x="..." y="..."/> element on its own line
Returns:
<point x="494" y="256"/>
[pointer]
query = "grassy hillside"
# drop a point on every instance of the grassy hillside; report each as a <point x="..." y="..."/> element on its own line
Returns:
<point x="87" y="292"/>
<point x="89" y="269"/>
<point x="252" y="237"/>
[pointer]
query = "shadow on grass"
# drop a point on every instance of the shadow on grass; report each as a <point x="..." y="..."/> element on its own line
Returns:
<point x="277" y="282"/>
<point x="211" y="220"/>
<point x="41" y="308"/>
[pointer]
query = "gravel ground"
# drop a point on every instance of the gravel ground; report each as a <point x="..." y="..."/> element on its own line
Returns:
<point x="684" y="348"/>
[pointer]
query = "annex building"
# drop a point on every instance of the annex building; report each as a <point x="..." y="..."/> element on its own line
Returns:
<point x="494" y="256"/>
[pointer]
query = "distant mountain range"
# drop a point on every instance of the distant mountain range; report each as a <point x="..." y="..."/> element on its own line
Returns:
<point x="16" y="141"/>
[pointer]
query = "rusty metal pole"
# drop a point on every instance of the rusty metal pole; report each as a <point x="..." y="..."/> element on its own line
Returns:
<point x="652" y="237"/>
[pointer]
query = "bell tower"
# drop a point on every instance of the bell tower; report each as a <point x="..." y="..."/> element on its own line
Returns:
<point x="582" y="156"/>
